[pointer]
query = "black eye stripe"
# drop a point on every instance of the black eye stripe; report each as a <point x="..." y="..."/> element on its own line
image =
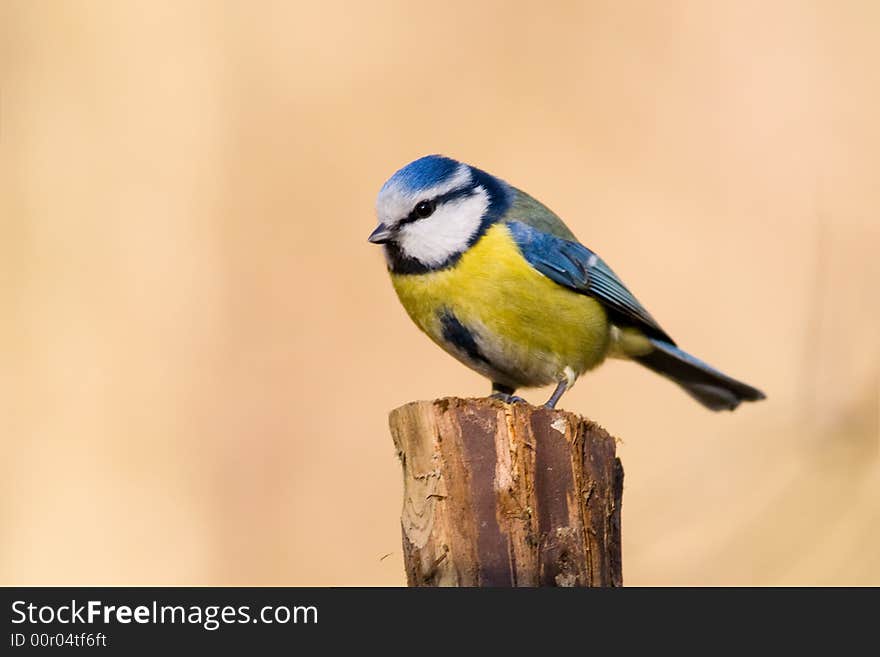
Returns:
<point x="454" y="194"/>
<point x="411" y="217"/>
<point x="436" y="201"/>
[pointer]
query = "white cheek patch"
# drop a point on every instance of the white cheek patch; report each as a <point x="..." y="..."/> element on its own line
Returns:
<point x="395" y="203"/>
<point x="447" y="232"/>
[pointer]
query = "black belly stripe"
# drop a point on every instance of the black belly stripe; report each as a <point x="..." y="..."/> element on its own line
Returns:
<point x="457" y="334"/>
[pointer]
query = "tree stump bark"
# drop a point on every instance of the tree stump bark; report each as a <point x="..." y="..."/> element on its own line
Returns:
<point x="507" y="495"/>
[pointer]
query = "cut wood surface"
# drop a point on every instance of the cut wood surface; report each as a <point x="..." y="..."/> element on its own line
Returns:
<point x="502" y="494"/>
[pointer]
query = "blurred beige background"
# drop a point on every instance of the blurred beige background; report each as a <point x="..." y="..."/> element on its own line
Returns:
<point x="199" y="347"/>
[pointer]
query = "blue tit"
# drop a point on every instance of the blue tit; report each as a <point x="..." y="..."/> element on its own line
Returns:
<point x="499" y="282"/>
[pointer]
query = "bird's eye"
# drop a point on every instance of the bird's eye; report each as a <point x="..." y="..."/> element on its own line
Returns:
<point x="424" y="209"/>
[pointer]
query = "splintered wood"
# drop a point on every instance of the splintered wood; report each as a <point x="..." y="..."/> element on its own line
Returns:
<point x="507" y="495"/>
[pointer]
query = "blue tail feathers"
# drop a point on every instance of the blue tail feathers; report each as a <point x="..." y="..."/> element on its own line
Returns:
<point x="704" y="383"/>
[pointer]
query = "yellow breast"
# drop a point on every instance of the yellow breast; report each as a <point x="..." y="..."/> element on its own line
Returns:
<point x="529" y="328"/>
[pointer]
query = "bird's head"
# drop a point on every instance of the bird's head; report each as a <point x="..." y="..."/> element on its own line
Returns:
<point x="433" y="209"/>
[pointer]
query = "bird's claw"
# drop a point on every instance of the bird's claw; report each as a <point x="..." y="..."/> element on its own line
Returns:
<point x="508" y="399"/>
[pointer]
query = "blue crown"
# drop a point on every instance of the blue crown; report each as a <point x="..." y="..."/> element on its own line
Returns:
<point x="423" y="173"/>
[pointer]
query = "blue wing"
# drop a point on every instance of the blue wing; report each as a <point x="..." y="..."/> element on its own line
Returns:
<point x="574" y="266"/>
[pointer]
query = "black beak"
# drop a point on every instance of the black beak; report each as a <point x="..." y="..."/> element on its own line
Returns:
<point x="381" y="235"/>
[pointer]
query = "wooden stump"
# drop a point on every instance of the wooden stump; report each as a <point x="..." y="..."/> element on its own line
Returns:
<point x="507" y="495"/>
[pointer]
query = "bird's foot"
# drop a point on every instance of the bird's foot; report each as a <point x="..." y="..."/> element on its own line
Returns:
<point x="507" y="399"/>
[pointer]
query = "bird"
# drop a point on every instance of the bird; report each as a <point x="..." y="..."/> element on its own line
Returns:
<point x="499" y="282"/>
